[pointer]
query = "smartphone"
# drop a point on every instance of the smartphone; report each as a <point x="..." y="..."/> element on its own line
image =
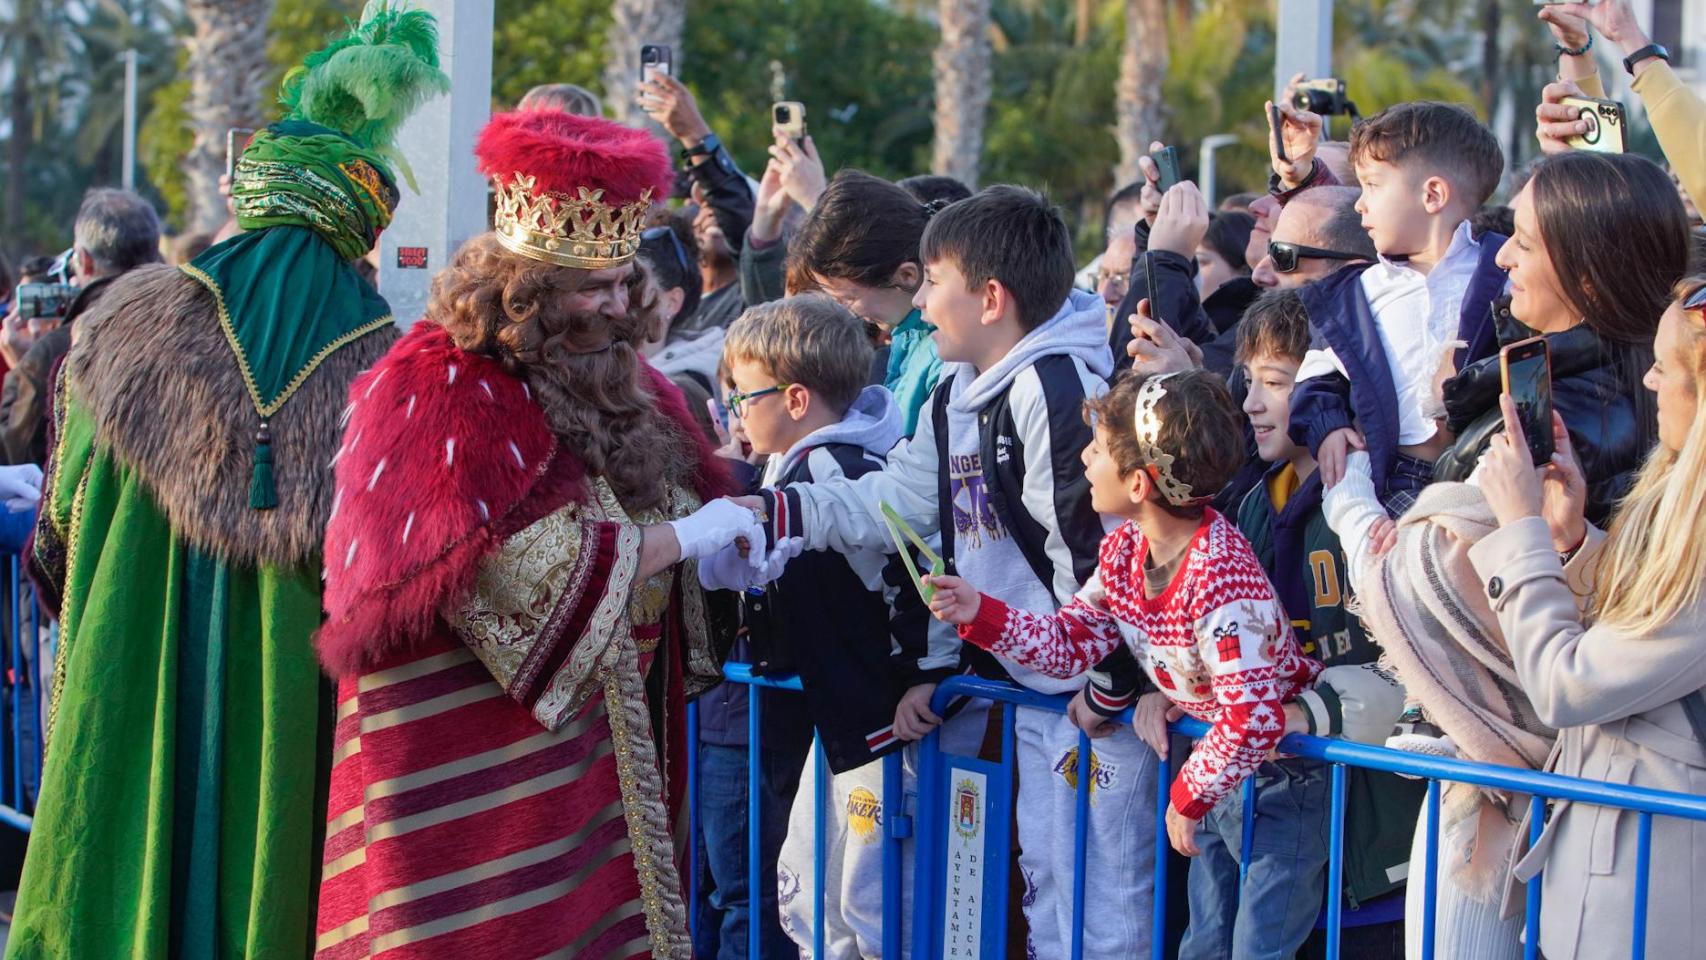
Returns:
<point x="655" y="58"/>
<point x="236" y="140"/>
<point x="1276" y="121"/>
<point x="1606" y="122"/>
<point x="1527" y="371"/>
<point x="1167" y="161"/>
<point x="789" y="116"/>
<point x="1149" y="286"/>
<point x="42" y="301"/>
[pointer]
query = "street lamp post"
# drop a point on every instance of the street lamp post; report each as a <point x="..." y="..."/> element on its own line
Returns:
<point x="1305" y="41"/>
<point x="1205" y="163"/>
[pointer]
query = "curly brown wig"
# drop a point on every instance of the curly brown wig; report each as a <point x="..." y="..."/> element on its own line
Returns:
<point x="583" y="368"/>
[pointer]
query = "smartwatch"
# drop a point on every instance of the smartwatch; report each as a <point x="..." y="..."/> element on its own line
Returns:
<point x="1650" y="50"/>
<point x="706" y="147"/>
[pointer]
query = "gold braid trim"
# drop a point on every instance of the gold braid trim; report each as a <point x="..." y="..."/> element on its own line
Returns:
<point x="67" y="620"/>
<point x="264" y="408"/>
<point x="61" y="412"/>
<point x="643" y="788"/>
<point x="703" y="671"/>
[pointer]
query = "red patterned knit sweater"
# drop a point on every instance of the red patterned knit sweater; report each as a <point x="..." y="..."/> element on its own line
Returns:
<point x="1216" y="642"/>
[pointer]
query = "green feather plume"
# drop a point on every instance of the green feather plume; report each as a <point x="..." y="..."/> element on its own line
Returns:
<point x="366" y="83"/>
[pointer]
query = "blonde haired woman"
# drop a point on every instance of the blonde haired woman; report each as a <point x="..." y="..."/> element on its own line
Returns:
<point x="1609" y="639"/>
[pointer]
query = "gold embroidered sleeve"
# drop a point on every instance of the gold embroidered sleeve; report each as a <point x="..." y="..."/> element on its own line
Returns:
<point x="549" y="610"/>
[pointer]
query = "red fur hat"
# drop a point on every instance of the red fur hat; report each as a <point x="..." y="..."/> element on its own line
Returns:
<point x="572" y="191"/>
<point x="564" y="152"/>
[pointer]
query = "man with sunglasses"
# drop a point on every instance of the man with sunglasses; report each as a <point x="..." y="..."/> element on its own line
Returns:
<point x="1317" y="232"/>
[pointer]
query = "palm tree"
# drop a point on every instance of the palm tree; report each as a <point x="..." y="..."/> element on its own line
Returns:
<point x="962" y="72"/>
<point x="33" y="44"/>
<point x="227" y="71"/>
<point x="636" y="23"/>
<point x="147" y="26"/>
<point x="1138" y="116"/>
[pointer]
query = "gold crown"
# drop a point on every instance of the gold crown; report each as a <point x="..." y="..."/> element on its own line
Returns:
<point x="581" y="231"/>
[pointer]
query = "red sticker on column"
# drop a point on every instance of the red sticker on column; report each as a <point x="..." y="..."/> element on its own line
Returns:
<point x="411" y="258"/>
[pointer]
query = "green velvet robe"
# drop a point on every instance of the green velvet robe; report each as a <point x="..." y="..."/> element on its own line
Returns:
<point x="184" y="751"/>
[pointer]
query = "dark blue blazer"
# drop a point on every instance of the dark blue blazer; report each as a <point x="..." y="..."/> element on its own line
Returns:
<point x="1340" y="318"/>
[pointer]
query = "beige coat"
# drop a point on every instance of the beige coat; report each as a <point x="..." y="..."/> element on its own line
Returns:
<point x="1615" y="701"/>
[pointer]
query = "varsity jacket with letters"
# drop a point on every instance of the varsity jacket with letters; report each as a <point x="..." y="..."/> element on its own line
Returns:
<point x="994" y="467"/>
<point x="829" y="617"/>
<point x="1304" y="560"/>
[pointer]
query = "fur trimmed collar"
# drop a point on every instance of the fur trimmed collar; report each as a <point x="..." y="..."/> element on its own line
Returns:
<point x="154" y="370"/>
<point x="445" y="455"/>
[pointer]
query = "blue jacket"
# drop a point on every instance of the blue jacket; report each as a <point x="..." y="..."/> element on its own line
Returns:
<point x="1340" y="317"/>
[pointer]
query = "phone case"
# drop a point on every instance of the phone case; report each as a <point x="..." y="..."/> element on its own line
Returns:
<point x="1538" y="430"/>
<point x="1167" y="162"/>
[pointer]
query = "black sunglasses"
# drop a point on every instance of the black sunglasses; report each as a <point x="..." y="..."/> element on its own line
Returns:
<point x="1286" y="255"/>
<point x="652" y="233"/>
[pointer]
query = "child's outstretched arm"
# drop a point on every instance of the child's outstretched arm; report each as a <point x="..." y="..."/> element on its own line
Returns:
<point x="1063" y="644"/>
<point x="955" y="602"/>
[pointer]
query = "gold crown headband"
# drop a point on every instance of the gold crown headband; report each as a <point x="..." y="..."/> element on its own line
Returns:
<point x="1158" y="463"/>
<point x="581" y="231"/>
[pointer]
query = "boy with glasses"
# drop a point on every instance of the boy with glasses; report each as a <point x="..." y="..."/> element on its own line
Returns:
<point x="844" y="622"/>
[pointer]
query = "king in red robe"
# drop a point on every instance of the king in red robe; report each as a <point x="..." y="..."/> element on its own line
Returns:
<point x="511" y="626"/>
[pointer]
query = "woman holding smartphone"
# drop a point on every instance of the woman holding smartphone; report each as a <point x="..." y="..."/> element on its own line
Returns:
<point x="1619" y="675"/>
<point x="1597" y="252"/>
<point x="1600" y="242"/>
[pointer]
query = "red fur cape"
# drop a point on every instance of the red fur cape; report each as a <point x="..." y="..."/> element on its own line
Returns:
<point x="444" y="456"/>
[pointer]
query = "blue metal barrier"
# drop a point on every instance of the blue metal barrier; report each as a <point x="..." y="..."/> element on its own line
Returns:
<point x="927" y="897"/>
<point x="22" y="715"/>
<point x="897" y="825"/>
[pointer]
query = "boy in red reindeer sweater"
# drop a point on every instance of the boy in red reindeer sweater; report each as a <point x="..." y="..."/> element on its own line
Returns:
<point x="1180" y="586"/>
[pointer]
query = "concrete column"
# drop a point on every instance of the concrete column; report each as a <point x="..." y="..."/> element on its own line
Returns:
<point x="1305" y="42"/>
<point x="438" y="141"/>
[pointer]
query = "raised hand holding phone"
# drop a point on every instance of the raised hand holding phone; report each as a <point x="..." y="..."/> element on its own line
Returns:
<point x="1149" y="198"/>
<point x="1508" y="479"/>
<point x="1526" y="369"/>
<point x="1181" y="223"/>
<point x="1155" y="348"/>
<point x="1293" y="136"/>
<point x="800" y="167"/>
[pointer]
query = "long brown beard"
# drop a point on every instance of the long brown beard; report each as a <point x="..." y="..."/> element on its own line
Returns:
<point x="581" y="367"/>
<point x="599" y="405"/>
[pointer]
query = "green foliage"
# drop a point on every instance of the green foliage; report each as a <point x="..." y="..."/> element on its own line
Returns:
<point x="68" y="53"/>
<point x="547" y="41"/>
<point x="297" y="28"/>
<point x="1051" y="116"/>
<point x="861" y="69"/>
<point x="163" y="140"/>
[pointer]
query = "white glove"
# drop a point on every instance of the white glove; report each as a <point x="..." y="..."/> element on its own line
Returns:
<point x="716" y="525"/>
<point x="20" y="486"/>
<point x="728" y="570"/>
<point x="1370" y="701"/>
<point x="785" y="549"/>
